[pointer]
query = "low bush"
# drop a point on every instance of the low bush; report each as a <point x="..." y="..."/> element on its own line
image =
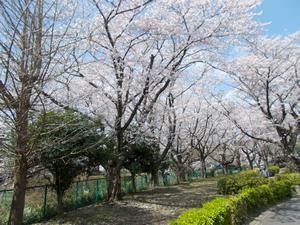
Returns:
<point x="249" y="173"/>
<point x="216" y="211"/>
<point x="233" y="210"/>
<point x="234" y="183"/>
<point x="273" y="170"/>
<point x="294" y="178"/>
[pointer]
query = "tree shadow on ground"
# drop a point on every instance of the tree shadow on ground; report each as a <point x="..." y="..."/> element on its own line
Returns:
<point x="152" y="207"/>
<point x="181" y="196"/>
<point x="119" y="214"/>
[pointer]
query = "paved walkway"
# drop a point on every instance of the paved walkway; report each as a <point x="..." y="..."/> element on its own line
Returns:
<point x="287" y="213"/>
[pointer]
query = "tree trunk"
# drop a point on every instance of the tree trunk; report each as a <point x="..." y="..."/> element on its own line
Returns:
<point x="203" y="168"/>
<point x="133" y="182"/>
<point x="182" y="174"/>
<point x="250" y="161"/>
<point x="114" y="168"/>
<point x="119" y="185"/>
<point x="114" y="183"/>
<point x="18" y="199"/>
<point x="177" y="178"/>
<point x="60" y="206"/>
<point x="251" y="164"/>
<point x="225" y="169"/>
<point x="154" y="178"/>
<point x="238" y="161"/>
<point x="59" y="191"/>
<point x="20" y="171"/>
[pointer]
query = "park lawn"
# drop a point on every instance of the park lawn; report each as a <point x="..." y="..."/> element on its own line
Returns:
<point x="156" y="207"/>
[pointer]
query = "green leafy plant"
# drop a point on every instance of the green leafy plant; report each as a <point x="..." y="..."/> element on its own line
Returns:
<point x="140" y="160"/>
<point x="273" y="170"/>
<point x="63" y="140"/>
<point x="234" y="183"/>
<point x="216" y="211"/>
<point x="233" y="210"/>
<point x="294" y="178"/>
<point x="249" y="173"/>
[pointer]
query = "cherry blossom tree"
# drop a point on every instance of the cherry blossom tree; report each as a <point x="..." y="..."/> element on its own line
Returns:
<point x="136" y="49"/>
<point x="206" y="133"/>
<point x="269" y="153"/>
<point x="267" y="79"/>
<point x="181" y="153"/>
<point x="247" y="149"/>
<point x="170" y="119"/>
<point x="224" y="156"/>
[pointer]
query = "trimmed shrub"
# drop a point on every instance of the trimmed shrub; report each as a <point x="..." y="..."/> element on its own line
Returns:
<point x="273" y="170"/>
<point x="234" y="183"/>
<point x="217" y="211"/>
<point x="233" y="210"/>
<point x="249" y="173"/>
<point x="294" y="178"/>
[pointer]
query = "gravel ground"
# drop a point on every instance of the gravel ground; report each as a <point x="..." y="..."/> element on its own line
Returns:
<point x="151" y="207"/>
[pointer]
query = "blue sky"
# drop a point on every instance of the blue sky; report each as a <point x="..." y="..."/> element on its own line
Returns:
<point x="284" y="16"/>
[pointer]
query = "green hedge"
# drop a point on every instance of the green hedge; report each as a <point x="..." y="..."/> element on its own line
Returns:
<point x="249" y="173"/>
<point x="294" y="178"/>
<point x="273" y="170"/>
<point x="234" y="183"/>
<point x="233" y="210"/>
<point x="216" y="211"/>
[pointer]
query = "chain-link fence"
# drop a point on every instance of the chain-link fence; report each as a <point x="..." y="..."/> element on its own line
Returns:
<point x="41" y="201"/>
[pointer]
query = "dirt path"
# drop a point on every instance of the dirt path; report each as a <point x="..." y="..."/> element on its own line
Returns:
<point x="152" y="207"/>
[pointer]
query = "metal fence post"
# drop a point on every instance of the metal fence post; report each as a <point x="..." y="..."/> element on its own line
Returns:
<point x="45" y="201"/>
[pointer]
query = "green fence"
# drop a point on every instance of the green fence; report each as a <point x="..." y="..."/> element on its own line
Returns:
<point x="41" y="203"/>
